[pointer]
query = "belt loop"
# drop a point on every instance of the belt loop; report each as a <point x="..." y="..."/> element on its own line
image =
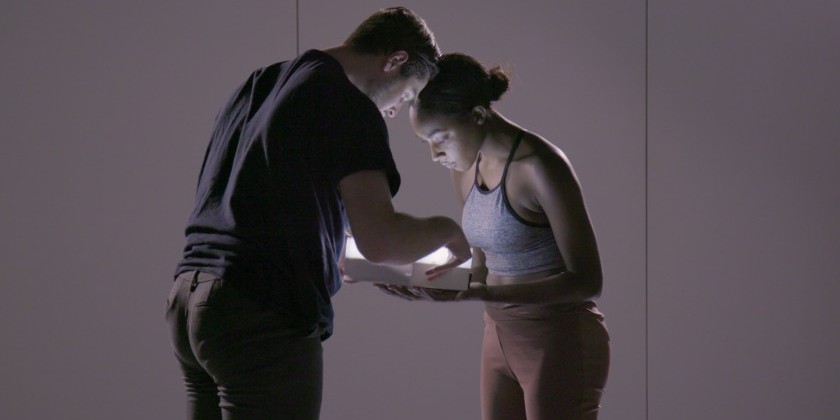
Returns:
<point x="194" y="283"/>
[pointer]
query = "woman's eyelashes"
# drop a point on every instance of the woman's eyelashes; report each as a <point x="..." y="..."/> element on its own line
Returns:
<point x="437" y="141"/>
<point x="442" y="139"/>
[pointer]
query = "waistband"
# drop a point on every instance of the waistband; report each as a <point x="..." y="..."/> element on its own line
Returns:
<point x="509" y="311"/>
<point x="195" y="277"/>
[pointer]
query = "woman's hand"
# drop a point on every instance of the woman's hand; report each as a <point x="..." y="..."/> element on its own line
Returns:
<point x="476" y="291"/>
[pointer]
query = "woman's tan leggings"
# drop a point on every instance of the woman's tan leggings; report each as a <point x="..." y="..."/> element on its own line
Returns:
<point x="540" y="363"/>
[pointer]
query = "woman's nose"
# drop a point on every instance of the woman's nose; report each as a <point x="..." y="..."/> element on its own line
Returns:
<point x="436" y="154"/>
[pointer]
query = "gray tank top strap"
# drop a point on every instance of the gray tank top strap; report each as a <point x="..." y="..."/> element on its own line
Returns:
<point x="513" y="148"/>
<point x="510" y="158"/>
<point x="475" y="175"/>
<point x="504" y="189"/>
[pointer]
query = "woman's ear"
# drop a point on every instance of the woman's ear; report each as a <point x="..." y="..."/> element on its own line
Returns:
<point x="480" y="114"/>
<point x="395" y="60"/>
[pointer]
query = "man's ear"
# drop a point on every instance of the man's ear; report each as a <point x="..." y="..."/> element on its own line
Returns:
<point x="395" y="60"/>
<point x="480" y="114"/>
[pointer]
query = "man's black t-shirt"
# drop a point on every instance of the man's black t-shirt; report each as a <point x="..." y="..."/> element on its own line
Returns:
<point x="268" y="215"/>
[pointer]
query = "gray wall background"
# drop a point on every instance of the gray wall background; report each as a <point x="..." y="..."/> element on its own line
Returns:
<point x="711" y="180"/>
<point x="744" y="209"/>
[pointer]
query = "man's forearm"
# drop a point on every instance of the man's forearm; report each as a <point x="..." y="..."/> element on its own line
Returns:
<point x="404" y="238"/>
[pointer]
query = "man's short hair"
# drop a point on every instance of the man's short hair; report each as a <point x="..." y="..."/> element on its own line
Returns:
<point x="398" y="29"/>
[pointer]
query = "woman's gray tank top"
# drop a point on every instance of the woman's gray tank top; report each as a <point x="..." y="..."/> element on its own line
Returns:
<point x="513" y="246"/>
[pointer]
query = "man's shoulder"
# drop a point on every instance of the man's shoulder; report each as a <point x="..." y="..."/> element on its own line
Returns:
<point x="318" y="65"/>
<point x="311" y="66"/>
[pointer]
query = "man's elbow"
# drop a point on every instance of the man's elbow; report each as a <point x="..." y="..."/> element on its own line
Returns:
<point x="374" y="240"/>
<point x="374" y="252"/>
<point x="376" y="248"/>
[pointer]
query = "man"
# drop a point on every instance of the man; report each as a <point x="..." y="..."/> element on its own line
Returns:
<point x="298" y="154"/>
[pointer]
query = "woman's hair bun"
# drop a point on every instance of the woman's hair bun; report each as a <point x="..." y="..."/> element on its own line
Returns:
<point x="498" y="83"/>
<point x="461" y="85"/>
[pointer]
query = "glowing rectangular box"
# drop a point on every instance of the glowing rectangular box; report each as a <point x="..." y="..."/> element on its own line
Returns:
<point x="360" y="269"/>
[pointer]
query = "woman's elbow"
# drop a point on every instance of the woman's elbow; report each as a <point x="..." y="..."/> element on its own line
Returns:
<point x="592" y="288"/>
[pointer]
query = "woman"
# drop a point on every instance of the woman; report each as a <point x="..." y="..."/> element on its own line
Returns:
<point x="536" y="266"/>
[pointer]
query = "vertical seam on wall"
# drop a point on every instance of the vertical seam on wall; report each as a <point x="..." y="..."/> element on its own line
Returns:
<point x="297" y="27"/>
<point x="647" y="228"/>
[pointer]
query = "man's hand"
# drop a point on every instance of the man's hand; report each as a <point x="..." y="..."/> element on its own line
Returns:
<point x="440" y="270"/>
<point x="461" y="252"/>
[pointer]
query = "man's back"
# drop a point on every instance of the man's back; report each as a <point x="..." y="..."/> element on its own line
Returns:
<point x="268" y="217"/>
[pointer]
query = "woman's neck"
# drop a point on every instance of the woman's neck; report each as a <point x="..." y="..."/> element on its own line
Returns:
<point x="499" y="137"/>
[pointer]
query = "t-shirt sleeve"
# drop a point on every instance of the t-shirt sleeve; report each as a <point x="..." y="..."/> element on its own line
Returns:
<point x="356" y="138"/>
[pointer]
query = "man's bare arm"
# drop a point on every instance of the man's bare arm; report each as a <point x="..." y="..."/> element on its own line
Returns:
<point x="386" y="236"/>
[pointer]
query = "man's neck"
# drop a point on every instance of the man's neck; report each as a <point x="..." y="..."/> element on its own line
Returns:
<point x="359" y="68"/>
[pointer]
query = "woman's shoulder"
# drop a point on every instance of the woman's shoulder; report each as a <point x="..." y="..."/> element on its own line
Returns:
<point x="543" y="172"/>
<point x="539" y="157"/>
